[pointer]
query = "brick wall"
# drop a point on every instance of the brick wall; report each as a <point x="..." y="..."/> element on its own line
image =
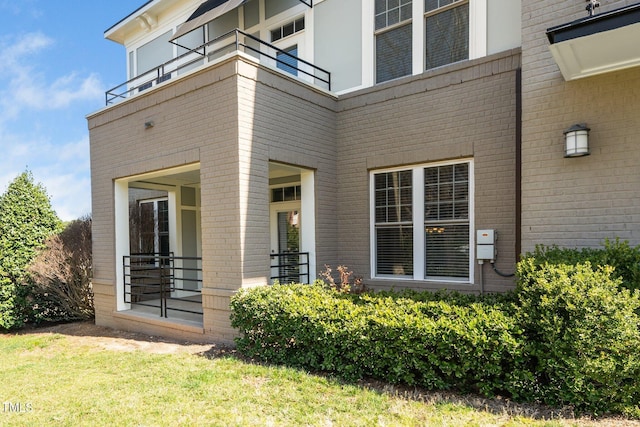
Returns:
<point x="464" y="111"/>
<point x="233" y="119"/>
<point x="576" y="202"/>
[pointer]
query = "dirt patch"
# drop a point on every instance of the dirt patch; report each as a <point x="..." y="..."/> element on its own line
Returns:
<point x="101" y="338"/>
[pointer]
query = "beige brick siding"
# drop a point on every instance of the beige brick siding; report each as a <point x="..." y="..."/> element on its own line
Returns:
<point x="235" y="118"/>
<point x="465" y="111"/>
<point x="281" y="123"/>
<point x="576" y="202"/>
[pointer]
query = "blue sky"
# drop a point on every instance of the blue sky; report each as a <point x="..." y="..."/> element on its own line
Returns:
<point x="55" y="66"/>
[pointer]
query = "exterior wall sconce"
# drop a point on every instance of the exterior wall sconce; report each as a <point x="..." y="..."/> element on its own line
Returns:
<point x="149" y="124"/>
<point x="577" y="141"/>
<point x="591" y="6"/>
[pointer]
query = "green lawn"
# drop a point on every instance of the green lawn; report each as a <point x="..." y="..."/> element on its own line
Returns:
<point x="48" y="380"/>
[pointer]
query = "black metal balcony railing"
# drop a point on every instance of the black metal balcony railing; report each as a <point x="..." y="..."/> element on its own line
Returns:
<point x="290" y="267"/>
<point x="234" y="40"/>
<point x="164" y="282"/>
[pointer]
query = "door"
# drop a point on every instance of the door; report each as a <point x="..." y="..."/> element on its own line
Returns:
<point x="285" y="222"/>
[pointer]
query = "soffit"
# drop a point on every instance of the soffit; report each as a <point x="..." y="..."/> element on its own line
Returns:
<point x="146" y="17"/>
<point x="597" y="44"/>
<point x="210" y="10"/>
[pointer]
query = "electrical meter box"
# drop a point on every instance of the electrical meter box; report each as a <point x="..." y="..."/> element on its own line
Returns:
<point x="486" y="244"/>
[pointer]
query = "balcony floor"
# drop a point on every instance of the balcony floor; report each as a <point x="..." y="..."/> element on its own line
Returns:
<point x="174" y="307"/>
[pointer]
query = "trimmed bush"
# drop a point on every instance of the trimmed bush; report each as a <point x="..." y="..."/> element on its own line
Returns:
<point x="569" y="335"/>
<point x="8" y="295"/>
<point x="624" y="258"/>
<point x="583" y="337"/>
<point x="431" y="344"/>
<point x="26" y="221"/>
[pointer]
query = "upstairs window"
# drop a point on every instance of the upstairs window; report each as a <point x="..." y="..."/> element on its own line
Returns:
<point x="447" y="32"/>
<point x="287" y="29"/>
<point x="154" y="53"/>
<point x="393" y="33"/>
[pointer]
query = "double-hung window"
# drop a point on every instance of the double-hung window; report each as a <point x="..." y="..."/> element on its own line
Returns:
<point x="446" y="221"/>
<point x="422" y="222"/>
<point x="447" y="32"/>
<point x="393" y="195"/>
<point x="393" y="39"/>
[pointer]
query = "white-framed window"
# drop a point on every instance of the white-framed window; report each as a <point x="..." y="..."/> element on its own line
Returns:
<point x="287" y="29"/>
<point x="393" y="39"/>
<point x="422" y="222"/>
<point x="153" y="226"/>
<point x="446" y="32"/>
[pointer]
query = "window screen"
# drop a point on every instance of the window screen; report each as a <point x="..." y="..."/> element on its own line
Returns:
<point x="393" y="53"/>
<point x="393" y="46"/>
<point x="393" y="223"/>
<point x="446" y="214"/>
<point x="154" y="53"/>
<point x="447" y="34"/>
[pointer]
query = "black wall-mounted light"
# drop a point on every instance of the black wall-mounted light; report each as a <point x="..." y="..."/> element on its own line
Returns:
<point x="577" y="141"/>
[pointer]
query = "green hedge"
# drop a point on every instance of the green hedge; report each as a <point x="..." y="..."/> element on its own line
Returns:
<point x="583" y="337"/>
<point x="625" y="259"/>
<point x="431" y="344"/>
<point x="567" y="336"/>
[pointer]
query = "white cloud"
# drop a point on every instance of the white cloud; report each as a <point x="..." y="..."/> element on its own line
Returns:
<point x="27" y="88"/>
<point x="63" y="169"/>
<point x="42" y="125"/>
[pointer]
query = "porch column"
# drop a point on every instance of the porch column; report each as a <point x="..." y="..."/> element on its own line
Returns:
<point x="121" y="228"/>
<point x="308" y="208"/>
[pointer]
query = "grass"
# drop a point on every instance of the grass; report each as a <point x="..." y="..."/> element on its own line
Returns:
<point x="47" y="379"/>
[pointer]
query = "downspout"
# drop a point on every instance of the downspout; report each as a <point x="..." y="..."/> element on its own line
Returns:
<point x="518" y="245"/>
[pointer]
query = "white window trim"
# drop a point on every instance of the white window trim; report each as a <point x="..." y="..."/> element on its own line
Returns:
<point x="156" y="221"/>
<point x="418" y="223"/>
<point x="477" y="28"/>
<point x="478" y="15"/>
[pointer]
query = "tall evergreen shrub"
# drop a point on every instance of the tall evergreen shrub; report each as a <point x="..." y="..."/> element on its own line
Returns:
<point x="26" y="220"/>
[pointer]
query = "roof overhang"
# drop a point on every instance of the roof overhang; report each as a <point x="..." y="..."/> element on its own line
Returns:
<point x="144" y="17"/>
<point x="205" y="13"/>
<point x="597" y="44"/>
<point x="210" y="10"/>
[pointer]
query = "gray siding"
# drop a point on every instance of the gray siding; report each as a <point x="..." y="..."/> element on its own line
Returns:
<point x="463" y="111"/>
<point x="577" y="202"/>
<point x="338" y="41"/>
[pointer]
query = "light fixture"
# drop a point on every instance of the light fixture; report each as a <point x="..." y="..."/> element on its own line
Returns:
<point x="591" y="7"/>
<point x="149" y="124"/>
<point x="577" y="140"/>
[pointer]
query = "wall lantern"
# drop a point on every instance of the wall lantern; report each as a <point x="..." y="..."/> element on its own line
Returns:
<point x="577" y="141"/>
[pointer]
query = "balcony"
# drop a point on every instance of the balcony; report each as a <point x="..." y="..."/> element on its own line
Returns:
<point x="213" y="51"/>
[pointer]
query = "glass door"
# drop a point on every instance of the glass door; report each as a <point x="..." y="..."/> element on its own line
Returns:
<point x="285" y="242"/>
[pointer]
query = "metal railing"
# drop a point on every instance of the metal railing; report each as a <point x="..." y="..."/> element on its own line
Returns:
<point x="234" y="40"/>
<point x="290" y="267"/>
<point x="164" y="282"/>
